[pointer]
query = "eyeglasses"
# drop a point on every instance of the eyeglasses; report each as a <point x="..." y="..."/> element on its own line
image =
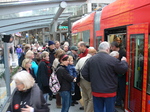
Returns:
<point x="18" y="83"/>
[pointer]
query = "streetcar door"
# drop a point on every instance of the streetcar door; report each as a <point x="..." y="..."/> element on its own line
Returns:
<point x="137" y="56"/>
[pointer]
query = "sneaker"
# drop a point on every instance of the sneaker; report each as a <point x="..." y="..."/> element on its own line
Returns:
<point x="72" y="93"/>
<point x="75" y="102"/>
<point x="118" y="106"/>
<point x="81" y="108"/>
<point x="59" y="106"/>
<point x="48" y="104"/>
<point x="72" y="104"/>
<point x="50" y="97"/>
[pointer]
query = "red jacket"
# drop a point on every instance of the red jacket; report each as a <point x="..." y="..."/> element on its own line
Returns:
<point x="81" y="55"/>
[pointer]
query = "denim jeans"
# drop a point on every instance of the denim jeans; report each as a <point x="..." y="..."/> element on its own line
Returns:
<point x="104" y="104"/>
<point x="66" y="100"/>
<point x="72" y="87"/>
<point x="121" y="90"/>
<point x="45" y="96"/>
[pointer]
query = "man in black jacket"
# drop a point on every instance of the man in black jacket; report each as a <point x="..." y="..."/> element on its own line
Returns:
<point x="101" y="70"/>
<point x="121" y="78"/>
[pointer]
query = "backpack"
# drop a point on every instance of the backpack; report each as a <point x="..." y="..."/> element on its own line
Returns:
<point x="54" y="83"/>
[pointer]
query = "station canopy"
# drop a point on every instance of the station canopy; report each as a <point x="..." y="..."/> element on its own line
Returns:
<point x="25" y="15"/>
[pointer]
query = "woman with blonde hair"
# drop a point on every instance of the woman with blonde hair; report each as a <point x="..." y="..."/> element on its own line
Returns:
<point x="26" y="64"/>
<point x="27" y="96"/>
<point x="34" y="66"/>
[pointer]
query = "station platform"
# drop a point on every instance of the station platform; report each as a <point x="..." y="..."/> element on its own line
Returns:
<point x="72" y="108"/>
<point x="52" y="106"/>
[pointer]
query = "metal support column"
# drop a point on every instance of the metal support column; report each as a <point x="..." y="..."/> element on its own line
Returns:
<point x="43" y="30"/>
<point x="69" y="31"/>
<point x="7" y="69"/>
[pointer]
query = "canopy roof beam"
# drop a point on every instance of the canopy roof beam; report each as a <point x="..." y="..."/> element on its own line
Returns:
<point x="14" y="8"/>
<point x="8" y="22"/>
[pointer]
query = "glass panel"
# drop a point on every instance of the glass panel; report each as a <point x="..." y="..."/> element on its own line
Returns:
<point x="43" y="11"/>
<point x="81" y="36"/>
<point x="3" y="89"/>
<point x="137" y="58"/>
<point x="148" y="82"/>
<point x="86" y="37"/>
<point x="51" y="10"/>
<point x="97" y="21"/>
<point x="98" y="41"/>
<point x="24" y="1"/>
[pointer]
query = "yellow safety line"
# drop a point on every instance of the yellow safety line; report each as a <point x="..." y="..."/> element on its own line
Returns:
<point x="4" y="93"/>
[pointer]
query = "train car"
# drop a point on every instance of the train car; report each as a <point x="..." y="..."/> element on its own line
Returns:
<point x="129" y="20"/>
<point x="84" y="29"/>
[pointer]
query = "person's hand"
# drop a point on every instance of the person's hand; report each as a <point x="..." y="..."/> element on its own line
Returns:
<point x="74" y="80"/>
<point x="123" y="59"/>
<point x="27" y="109"/>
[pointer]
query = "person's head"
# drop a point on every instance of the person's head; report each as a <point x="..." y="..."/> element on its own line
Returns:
<point x="40" y="49"/>
<point x="59" y="52"/>
<point x="82" y="46"/>
<point x="70" y="60"/>
<point x="74" y="49"/>
<point x="45" y="55"/>
<point x="27" y="47"/>
<point x="117" y="39"/>
<point x="114" y="46"/>
<point x="63" y="59"/>
<point x="34" y="49"/>
<point x="26" y="63"/>
<point x="18" y="46"/>
<point x="92" y="51"/>
<point x="65" y="48"/>
<point x="114" y="54"/>
<point x="29" y="54"/>
<point x="66" y="43"/>
<point x="57" y="44"/>
<point x="51" y="45"/>
<point x="104" y="46"/>
<point x="23" y="80"/>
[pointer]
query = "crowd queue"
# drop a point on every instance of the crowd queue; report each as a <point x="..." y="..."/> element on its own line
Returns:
<point x="99" y="74"/>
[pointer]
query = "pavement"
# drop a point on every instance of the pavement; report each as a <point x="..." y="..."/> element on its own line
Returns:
<point x="14" y="63"/>
<point x="72" y="108"/>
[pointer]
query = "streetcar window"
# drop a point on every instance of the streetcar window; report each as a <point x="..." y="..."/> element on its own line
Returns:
<point x="148" y="82"/>
<point x="98" y="41"/>
<point x="81" y="36"/>
<point x="137" y="59"/>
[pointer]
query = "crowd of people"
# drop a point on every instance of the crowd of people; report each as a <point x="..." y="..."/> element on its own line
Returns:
<point x="97" y="73"/>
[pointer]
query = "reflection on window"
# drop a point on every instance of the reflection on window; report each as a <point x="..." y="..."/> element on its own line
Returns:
<point x="3" y="89"/>
<point x="148" y="82"/>
<point x="98" y="40"/>
<point x="81" y="36"/>
<point x="137" y="59"/>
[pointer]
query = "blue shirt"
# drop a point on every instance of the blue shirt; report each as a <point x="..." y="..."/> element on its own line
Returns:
<point x="34" y="67"/>
<point x="72" y="70"/>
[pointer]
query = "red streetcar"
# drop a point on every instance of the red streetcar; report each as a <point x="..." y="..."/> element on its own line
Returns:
<point x="128" y="20"/>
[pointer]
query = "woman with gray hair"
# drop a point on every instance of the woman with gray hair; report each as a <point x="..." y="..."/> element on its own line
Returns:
<point x="27" y="96"/>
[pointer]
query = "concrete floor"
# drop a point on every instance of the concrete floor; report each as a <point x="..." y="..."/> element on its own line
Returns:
<point x="72" y="108"/>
